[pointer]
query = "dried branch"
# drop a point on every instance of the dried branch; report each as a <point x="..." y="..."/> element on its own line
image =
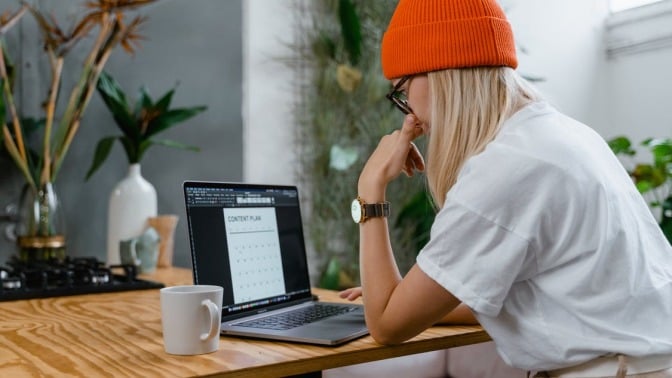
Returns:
<point x="102" y="54"/>
<point x="106" y="25"/>
<point x="116" y="5"/>
<point x="14" y="153"/>
<point x="8" y="22"/>
<point x="6" y="88"/>
<point x="57" y="68"/>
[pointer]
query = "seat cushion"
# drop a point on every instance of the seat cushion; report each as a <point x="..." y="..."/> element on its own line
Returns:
<point x="422" y="365"/>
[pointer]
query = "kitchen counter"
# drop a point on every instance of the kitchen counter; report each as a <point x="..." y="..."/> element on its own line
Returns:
<point x="119" y="334"/>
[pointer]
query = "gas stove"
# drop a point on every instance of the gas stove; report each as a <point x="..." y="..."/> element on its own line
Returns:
<point x="71" y="276"/>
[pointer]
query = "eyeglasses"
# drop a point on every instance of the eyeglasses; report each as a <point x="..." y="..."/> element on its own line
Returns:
<point x="398" y="98"/>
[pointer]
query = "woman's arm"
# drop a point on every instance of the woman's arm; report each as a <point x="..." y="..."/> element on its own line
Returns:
<point x="462" y="314"/>
<point x="396" y="309"/>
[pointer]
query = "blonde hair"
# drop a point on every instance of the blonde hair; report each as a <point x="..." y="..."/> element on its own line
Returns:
<point x="468" y="106"/>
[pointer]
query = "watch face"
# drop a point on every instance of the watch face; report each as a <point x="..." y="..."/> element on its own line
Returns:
<point x="356" y="210"/>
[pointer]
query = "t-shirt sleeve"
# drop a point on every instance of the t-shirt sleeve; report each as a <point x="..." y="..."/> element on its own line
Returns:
<point x="473" y="258"/>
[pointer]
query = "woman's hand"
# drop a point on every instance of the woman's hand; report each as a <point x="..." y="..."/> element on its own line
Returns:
<point x="351" y="294"/>
<point x="395" y="153"/>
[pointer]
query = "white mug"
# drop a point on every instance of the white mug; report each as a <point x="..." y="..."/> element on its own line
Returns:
<point x="190" y="318"/>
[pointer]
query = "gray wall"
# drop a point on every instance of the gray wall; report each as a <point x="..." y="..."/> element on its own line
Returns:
<point x="197" y="43"/>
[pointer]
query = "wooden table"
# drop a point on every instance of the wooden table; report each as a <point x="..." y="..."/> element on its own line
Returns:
<point x="119" y="334"/>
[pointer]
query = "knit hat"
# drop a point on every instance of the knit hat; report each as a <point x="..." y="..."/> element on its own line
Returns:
<point x="431" y="35"/>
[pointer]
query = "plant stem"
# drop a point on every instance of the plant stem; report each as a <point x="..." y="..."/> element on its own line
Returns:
<point x="56" y="69"/>
<point x="93" y="73"/>
<point x="13" y="20"/>
<point x="14" y="153"/>
<point x="12" y="107"/>
<point x="16" y="148"/>
<point x="75" y="96"/>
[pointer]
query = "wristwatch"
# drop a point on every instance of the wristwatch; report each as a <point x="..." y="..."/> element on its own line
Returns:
<point x="362" y="211"/>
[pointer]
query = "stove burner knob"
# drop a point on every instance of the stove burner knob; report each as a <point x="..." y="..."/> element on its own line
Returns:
<point x="11" y="283"/>
<point x="100" y="278"/>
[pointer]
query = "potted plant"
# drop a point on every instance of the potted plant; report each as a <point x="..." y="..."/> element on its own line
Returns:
<point x="40" y="228"/>
<point x="133" y="200"/>
<point x="653" y="180"/>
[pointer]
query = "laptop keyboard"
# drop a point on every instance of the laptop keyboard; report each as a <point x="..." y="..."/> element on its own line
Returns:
<point x="292" y="319"/>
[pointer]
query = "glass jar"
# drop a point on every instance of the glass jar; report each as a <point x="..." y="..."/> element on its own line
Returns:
<point x="41" y="227"/>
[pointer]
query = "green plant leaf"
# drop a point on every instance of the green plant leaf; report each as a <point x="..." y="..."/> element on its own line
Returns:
<point x="115" y="100"/>
<point x="350" y="29"/>
<point x="417" y="213"/>
<point x="163" y="142"/>
<point x="330" y="278"/>
<point x="10" y="68"/>
<point x="174" y="144"/>
<point x="648" y="176"/>
<point x="35" y="163"/>
<point x="324" y="46"/>
<point x="662" y="151"/>
<point x="164" y="102"/>
<point x="102" y="152"/>
<point x="666" y="218"/>
<point x="142" y="148"/>
<point x="31" y="125"/>
<point x="621" y="145"/>
<point x="172" y="118"/>
<point x="144" y="102"/>
<point x="132" y="149"/>
<point x="643" y="186"/>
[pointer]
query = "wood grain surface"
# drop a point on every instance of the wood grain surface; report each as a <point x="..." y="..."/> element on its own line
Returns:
<point x="119" y="335"/>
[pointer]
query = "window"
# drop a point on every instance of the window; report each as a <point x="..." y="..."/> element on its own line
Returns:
<point x="619" y="5"/>
<point x="645" y="26"/>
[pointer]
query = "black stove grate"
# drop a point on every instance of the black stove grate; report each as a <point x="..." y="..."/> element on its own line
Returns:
<point x="72" y="276"/>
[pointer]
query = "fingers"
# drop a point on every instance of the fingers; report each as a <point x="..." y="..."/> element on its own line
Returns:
<point x="416" y="158"/>
<point x="411" y="128"/>
<point x="351" y="294"/>
<point x="414" y="161"/>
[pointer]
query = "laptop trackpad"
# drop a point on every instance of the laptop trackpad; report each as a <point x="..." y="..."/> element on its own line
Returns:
<point x="337" y="325"/>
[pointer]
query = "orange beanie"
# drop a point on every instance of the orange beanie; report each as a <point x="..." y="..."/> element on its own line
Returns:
<point x="431" y="35"/>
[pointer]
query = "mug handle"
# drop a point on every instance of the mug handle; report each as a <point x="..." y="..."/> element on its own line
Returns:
<point x="214" y="319"/>
<point x="134" y="252"/>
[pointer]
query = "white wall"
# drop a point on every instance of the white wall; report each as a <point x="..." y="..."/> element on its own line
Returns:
<point x="627" y="94"/>
<point x="640" y="78"/>
<point x="268" y="153"/>
<point x="564" y="40"/>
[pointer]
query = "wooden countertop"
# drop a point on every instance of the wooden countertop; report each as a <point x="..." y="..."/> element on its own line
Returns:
<point x="119" y="334"/>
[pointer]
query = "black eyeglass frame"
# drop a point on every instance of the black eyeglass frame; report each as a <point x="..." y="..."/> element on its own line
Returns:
<point x="393" y="95"/>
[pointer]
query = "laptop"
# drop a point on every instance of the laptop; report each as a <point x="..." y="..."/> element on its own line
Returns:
<point x="248" y="238"/>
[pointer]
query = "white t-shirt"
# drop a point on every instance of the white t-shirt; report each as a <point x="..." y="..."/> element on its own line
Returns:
<point x="545" y="237"/>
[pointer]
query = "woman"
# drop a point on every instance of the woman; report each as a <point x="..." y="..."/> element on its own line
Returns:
<point x="540" y="233"/>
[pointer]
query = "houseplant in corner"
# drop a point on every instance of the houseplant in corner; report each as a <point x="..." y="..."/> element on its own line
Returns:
<point x="653" y="180"/>
<point x="133" y="200"/>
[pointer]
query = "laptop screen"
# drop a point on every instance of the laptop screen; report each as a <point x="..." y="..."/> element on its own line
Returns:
<point x="249" y="240"/>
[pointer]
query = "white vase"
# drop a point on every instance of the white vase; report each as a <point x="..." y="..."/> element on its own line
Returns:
<point x="132" y="202"/>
